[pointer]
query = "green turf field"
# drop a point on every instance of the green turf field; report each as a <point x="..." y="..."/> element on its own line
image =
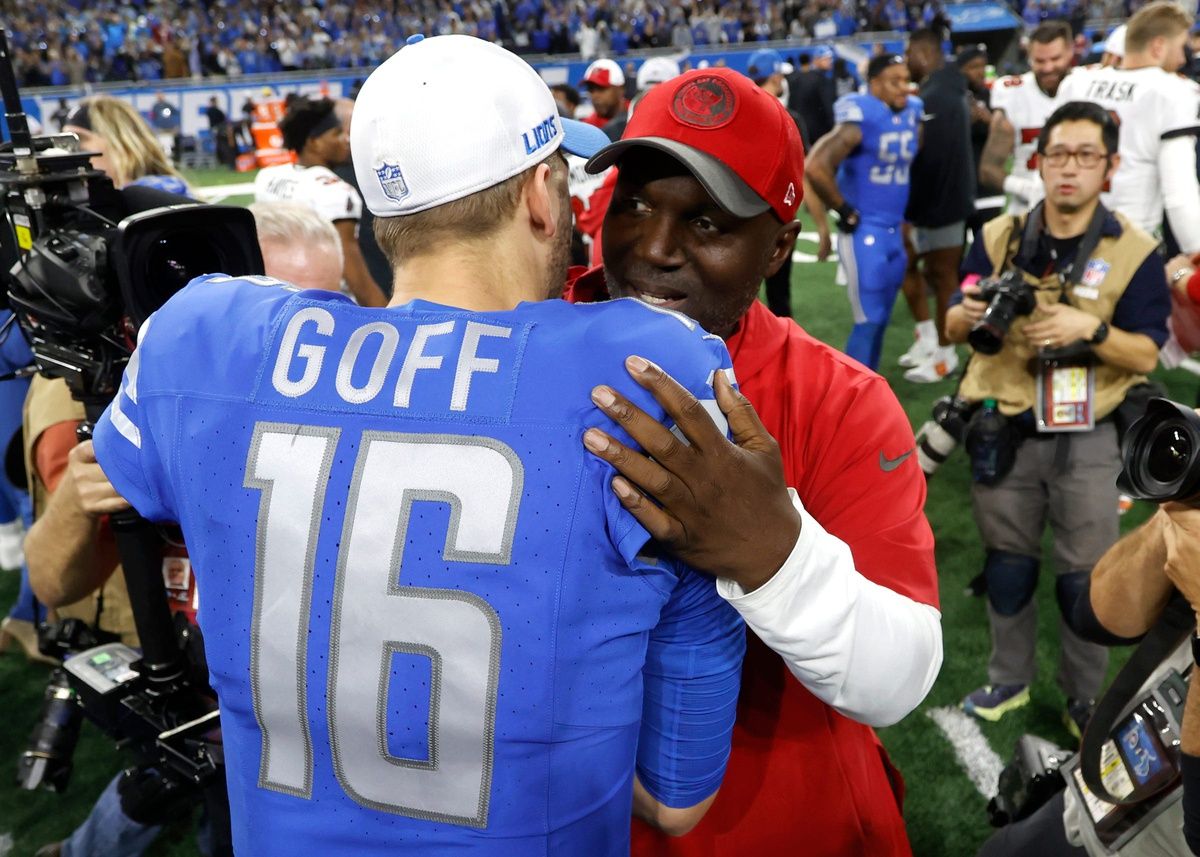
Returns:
<point x="945" y="811"/>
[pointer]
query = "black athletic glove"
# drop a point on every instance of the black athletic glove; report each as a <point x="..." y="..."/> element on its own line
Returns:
<point x="848" y="218"/>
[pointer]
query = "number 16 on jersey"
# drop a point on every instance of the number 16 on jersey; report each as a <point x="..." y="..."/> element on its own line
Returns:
<point x="374" y="617"/>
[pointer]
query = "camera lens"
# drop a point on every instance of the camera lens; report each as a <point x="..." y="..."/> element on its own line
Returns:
<point x="177" y="258"/>
<point x="986" y="338"/>
<point x="1170" y="450"/>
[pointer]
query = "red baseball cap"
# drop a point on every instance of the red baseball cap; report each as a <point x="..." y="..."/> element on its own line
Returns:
<point x="738" y="141"/>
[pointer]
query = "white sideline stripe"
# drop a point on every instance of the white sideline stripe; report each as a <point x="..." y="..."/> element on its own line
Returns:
<point x="6" y="844"/>
<point x="216" y="192"/>
<point x="975" y="755"/>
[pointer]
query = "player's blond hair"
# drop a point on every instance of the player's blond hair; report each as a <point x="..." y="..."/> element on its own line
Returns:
<point x="472" y="217"/>
<point x="133" y="149"/>
<point x="1161" y="18"/>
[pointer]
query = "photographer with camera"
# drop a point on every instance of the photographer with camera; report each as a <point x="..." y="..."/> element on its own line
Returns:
<point x="1065" y="308"/>
<point x="75" y="570"/>
<point x="1130" y="591"/>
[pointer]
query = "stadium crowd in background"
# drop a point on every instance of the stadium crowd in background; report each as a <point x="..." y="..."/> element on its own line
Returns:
<point x="68" y="43"/>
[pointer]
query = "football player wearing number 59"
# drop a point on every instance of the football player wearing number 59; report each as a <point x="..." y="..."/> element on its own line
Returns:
<point x="860" y="170"/>
<point x="431" y="625"/>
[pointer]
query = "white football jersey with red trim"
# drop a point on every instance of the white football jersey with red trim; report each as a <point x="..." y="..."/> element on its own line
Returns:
<point x="1027" y="108"/>
<point x="1151" y="106"/>
<point x="316" y="187"/>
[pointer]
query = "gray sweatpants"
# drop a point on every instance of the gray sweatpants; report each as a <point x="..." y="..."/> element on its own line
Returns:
<point x="1080" y="504"/>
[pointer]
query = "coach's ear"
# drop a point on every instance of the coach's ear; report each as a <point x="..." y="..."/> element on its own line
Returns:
<point x="541" y="202"/>
<point x="785" y="244"/>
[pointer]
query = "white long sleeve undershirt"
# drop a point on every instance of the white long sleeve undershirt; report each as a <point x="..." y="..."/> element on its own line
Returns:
<point x="870" y="653"/>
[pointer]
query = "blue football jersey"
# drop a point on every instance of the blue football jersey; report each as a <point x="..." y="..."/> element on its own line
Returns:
<point x="874" y="177"/>
<point x="429" y="621"/>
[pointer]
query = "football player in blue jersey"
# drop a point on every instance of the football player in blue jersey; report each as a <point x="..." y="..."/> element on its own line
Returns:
<point x="431" y="624"/>
<point x="860" y="170"/>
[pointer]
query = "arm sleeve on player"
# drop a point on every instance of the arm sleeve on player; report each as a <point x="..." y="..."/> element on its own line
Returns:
<point x="694" y="654"/>
<point x="867" y="651"/>
<point x="1181" y="191"/>
<point x="127" y="447"/>
<point x="691" y="677"/>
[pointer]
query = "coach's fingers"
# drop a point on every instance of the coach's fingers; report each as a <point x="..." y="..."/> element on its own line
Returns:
<point x="684" y="408"/>
<point x="661" y="526"/>
<point x="650" y="434"/>
<point x="638" y="468"/>
<point x="745" y="427"/>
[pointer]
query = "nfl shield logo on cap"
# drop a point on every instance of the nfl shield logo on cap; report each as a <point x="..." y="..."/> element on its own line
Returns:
<point x="392" y="182"/>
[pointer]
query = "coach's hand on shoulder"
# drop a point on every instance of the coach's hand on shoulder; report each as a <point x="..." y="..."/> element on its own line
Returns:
<point x="722" y="507"/>
<point x="93" y="493"/>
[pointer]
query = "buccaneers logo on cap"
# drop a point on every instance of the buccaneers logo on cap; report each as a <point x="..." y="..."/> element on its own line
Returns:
<point x="704" y="102"/>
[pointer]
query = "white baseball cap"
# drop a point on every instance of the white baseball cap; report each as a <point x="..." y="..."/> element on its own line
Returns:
<point x="603" y="73"/>
<point x="657" y="70"/>
<point x="448" y="116"/>
<point x="1115" y="43"/>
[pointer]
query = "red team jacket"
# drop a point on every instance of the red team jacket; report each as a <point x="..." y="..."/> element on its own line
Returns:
<point x="803" y="779"/>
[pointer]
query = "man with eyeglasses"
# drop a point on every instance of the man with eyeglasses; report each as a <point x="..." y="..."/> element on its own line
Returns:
<point x="1057" y="379"/>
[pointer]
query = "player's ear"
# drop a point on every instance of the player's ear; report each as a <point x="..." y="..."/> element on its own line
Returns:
<point x="785" y="244"/>
<point x="1114" y="161"/>
<point x="539" y="197"/>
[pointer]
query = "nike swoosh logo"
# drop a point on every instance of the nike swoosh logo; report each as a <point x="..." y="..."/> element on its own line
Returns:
<point x="887" y="465"/>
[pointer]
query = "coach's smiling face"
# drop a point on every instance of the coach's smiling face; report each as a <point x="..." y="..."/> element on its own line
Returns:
<point x="668" y="243"/>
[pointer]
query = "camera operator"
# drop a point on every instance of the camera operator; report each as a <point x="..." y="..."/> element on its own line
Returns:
<point x="74" y="569"/>
<point x="1127" y="593"/>
<point x="1086" y="298"/>
<point x="71" y="553"/>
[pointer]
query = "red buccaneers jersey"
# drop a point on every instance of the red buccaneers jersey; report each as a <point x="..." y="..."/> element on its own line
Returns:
<point x="803" y="779"/>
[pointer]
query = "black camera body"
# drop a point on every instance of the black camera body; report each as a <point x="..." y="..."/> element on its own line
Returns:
<point x="1007" y="296"/>
<point x="1028" y="781"/>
